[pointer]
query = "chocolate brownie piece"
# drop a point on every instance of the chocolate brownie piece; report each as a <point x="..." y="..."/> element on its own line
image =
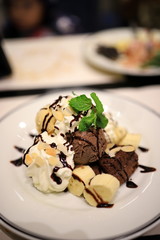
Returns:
<point x="122" y="165"/>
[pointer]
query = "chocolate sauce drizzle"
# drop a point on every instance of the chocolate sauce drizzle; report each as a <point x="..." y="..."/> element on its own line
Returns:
<point x="19" y="161"/>
<point x="19" y="149"/>
<point x="53" y="145"/>
<point x="55" y="178"/>
<point x="105" y="205"/>
<point x="48" y="121"/>
<point x="131" y="184"/>
<point x="75" y="118"/>
<point x="62" y="158"/>
<point x="146" y="169"/>
<point x="77" y="178"/>
<point x="43" y="123"/>
<point x="32" y="135"/>
<point x="55" y="104"/>
<point x="143" y="149"/>
<point x="99" y="200"/>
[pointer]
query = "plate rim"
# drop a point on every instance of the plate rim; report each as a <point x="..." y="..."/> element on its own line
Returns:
<point x="138" y="231"/>
<point x="129" y="235"/>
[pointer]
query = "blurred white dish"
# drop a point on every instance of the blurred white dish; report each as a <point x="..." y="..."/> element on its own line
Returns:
<point x="32" y="214"/>
<point x="110" y="38"/>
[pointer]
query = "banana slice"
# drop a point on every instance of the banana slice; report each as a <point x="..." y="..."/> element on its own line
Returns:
<point x="101" y="190"/>
<point x="80" y="178"/>
<point x="131" y="139"/>
<point x="45" y="120"/>
<point x="120" y="133"/>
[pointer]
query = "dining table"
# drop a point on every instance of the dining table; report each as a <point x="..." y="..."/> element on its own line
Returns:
<point x="56" y="63"/>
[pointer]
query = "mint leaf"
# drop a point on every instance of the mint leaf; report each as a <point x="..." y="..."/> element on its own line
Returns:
<point x="80" y="103"/>
<point x="87" y="121"/>
<point x="99" y="106"/>
<point x="101" y="121"/>
<point x="96" y="117"/>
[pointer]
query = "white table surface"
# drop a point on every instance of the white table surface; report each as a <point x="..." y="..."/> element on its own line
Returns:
<point x="61" y="73"/>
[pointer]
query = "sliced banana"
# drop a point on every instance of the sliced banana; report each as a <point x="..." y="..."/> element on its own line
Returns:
<point x="45" y="120"/>
<point x="101" y="190"/>
<point x="80" y="178"/>
<point x="120" y="133"/>
<point x="131" y="139"/>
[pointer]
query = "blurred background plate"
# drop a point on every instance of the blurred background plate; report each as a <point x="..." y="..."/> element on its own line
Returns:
<point x="112" y="37"/>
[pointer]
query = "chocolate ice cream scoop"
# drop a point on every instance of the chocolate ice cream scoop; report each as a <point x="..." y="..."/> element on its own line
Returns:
<point x="88" y="145"/>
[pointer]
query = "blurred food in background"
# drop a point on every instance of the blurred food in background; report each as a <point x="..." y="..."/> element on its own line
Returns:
<point x="143" y="50"/>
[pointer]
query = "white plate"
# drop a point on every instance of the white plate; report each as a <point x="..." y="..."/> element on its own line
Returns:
<point x="32" y="214"/>
<point x="112" y="37"/>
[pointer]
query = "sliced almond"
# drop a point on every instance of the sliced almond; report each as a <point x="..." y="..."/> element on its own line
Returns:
<point x="39" y="161"/>
<point x="58" y="115"/>
<point x="114" y="151"/>
<point x="128" y="149"/>
<point x="51" y="151"/>
<point x="53" y="161"/>
<point x="33" y="155"/>
<point x="42" y="146"/>
<point x="67" y="111"/>
<point x="28" y="159"/>
<point x="109" y="146"/>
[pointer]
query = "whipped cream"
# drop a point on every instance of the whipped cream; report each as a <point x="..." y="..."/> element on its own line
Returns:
<point x="113" y="132"/>
<point x="67" y="120"/>
<point x="50" y="163"/>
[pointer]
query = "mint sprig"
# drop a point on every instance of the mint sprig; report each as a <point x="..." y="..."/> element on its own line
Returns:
<point x="96" y="118"/>
<point x="101" y="121"/>
<point x="87" y="121"/>
<point x="80" y="103"/>
<point x="99" y="106"/>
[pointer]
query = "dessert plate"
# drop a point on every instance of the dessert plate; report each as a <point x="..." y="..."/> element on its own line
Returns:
<point x="113" y="37"/>
<point x="34" y="215"/>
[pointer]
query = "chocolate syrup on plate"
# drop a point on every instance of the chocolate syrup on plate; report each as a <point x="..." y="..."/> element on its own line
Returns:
<point x="32" y="135"/>
<point x="20" y="149"/>
<point x="143" y="149"/>
<point x="98" y="199"/>
<point x="146" y="169"/>
<point x="131" y="184"/>
<point x="19" y="161"/>
<point x="105" y="205"/>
